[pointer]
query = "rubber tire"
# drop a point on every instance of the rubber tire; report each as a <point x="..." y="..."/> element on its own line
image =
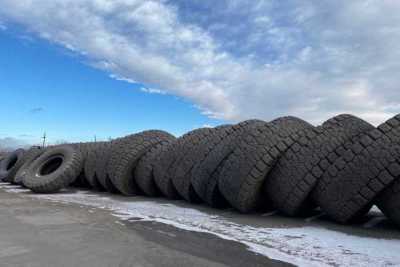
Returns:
<point x="30" y="156"/>
<point x="166" y="160"/>
<point x="290" y="183"/>
<point x="163" y="161"/>
<point x="370" y="165"/>
<point x="196" y="149"/>
<point x="389" y="200"/>
<point x="90" y="165"/>
<point x="244" y="172"/>
<point x="7" y="172"/>
<point x="125" y="156"/>
<point x="102" y="168"/>
<point x="204" y="176"/>
<point x="186" y="158"/>
<point x="61" y="177"/>
<point x="144" y="173"/>
<point x="81" y="180"/>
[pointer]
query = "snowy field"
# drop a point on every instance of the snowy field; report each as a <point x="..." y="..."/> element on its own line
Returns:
<point x="302" y="245"/>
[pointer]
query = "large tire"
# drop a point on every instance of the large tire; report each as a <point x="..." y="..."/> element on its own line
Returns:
<point x="196" y="149"/>
<point x="144" y="173"/>
<point x="244" y="172"/>
<point x="10" y="165"/>
<point x="102" y="163"/>
<point x="389" y="200"/>
<point x="366" y="169"/>
<point x="320" y="187"/>
<point x="186" y="158"/>
<point x="163" y="161"/>
<point x="91" y="163"/>
<point x="30" y="156"/>
<point x="204" y="176"/>
<point x="81" y="180"/>
<point x="168" y="158"/>
<point x="126" y="153"/>
<point x="54" y="170"/>
<point x="297" y="172"/>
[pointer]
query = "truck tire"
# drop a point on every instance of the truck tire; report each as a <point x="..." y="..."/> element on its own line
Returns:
<point x="126" y="153"/>
<point x="243" y="174"/>
<point x="54" y="170"/>
<point x="297" y="172"/>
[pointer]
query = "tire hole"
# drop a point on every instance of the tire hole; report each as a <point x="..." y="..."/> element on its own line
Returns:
<point x="51" y="166"/>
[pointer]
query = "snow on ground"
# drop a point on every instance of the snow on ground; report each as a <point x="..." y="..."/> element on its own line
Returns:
<point x="302" y="246"/>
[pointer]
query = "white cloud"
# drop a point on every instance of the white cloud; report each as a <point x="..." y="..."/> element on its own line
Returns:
<point x="152" y="91"/>
<point x="237" y="59"/>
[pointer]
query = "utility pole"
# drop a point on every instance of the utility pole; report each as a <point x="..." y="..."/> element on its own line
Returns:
<point x="44" y="139"/>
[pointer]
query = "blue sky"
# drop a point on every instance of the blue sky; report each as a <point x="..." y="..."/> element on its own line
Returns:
<point x="78" y="63"/>
<point x="45" y="88"/>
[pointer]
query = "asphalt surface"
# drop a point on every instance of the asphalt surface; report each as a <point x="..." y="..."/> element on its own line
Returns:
<point x="39" y="233"/>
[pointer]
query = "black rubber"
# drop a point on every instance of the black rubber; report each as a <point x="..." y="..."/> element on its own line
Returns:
<point x="389" y="200"/>
<point x="144" y="173"/>
<point x="195" y="150"/>
<point x="54" y="170"/>
<point x="102" y="168"/>
<point x="166" y="160"/>
<point x="205" y="174"/>
<point x="81" y="180"/>
<point x="297" y="172"/>
<point x="243" y="174"/>
<point x="93" y="152"/>
<point x="368" y="167"/>
<point x="30" y="155"/>
<point x="189" y="153"/>
<point x="125" y="155"/>
<point x="319" y="189"/>
<point x="163" y="162"/>
<point x="10" y="165"/>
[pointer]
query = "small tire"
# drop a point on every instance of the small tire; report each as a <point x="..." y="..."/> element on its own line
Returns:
<point x="54" y="170"/>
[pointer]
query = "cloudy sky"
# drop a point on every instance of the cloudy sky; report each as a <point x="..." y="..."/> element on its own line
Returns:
<point x="208" y="62"/>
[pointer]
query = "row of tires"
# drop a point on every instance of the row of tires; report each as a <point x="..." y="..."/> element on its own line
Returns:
<point x="341" y="167"/>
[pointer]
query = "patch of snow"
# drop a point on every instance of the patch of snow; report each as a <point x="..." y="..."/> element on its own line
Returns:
<point x="302" y="246"/>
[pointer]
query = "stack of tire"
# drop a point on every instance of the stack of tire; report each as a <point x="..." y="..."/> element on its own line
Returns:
<point x="342" y="167"/>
